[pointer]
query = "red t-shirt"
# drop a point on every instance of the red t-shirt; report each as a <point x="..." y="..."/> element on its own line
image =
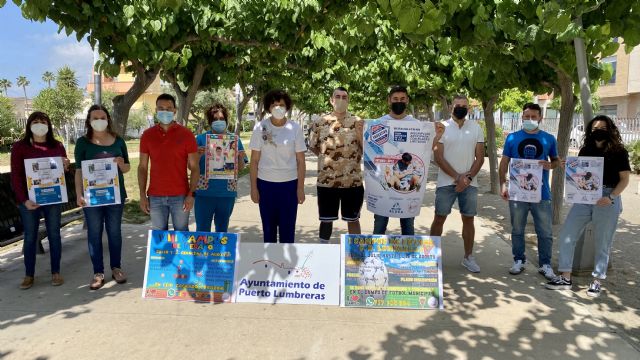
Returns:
<point x="29" y="150"/>
<point x="169" y="156"/>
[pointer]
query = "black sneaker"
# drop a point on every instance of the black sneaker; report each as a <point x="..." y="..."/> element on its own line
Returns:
<point x="594" y="288"/>
<point x="559" y="283"/>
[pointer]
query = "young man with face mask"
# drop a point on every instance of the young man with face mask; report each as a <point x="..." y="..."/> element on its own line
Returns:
<point x="336" y="139"/>
<point x="171" y="148"/>
<point x="398" y="101"/>
<point x="530" y="143"/>
<point x="459" y="153"/>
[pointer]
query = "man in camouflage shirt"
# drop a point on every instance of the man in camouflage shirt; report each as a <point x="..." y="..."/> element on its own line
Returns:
<point x="337" y="140"/>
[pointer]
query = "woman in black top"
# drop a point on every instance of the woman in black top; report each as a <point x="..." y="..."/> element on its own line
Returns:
<point x="602" y="139"/>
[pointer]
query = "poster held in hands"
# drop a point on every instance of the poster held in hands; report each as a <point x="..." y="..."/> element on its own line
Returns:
<point x="583" y="179"/>
<point x="525" y="180"/>
<point x="100" y="182"/>
<point x="46" y="184"/>
<point x="221" y="156"/>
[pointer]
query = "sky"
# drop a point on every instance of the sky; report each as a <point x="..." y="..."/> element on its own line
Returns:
<point x="30" y="48"/>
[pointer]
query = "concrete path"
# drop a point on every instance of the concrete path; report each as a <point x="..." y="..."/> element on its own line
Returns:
<point x="490" y="315"/>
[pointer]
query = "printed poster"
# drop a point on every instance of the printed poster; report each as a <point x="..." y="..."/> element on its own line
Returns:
<point x="396" y="163"/>
<point x="391" y="271"/>
<point x="288" y="273"/>
<point x="525" y="180"/>
<point x="222" y="156"/>
<point x="192" y="266"/>
<point x="45" y="180"/>
<point x="583" y="179"/>
<point x="100" y="182"/>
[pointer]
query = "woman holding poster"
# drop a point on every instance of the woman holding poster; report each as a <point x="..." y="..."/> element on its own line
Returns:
<point x="104" y="208"/>
<point x="38" y="142"/>
<point x="215" y="198"/>
<point x="602" y="139"/>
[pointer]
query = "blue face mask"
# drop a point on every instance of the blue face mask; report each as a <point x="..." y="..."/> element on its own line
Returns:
<point x="164" y="117"/>
<point x="218" y="126"/>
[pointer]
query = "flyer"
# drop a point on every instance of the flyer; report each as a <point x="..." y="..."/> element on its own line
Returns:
<point x="221" y="156"/>
<point x="192" y="266"/>
<point x="100" y="182"/>
<point x="525" y="180"/>
<point x="45" y="180"/>
<point x="391" y="271"/>
<point x="583" y="179"/>
<point x="396" y="163"/>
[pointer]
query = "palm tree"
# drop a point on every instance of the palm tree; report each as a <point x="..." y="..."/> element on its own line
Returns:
<point x="48" y="77"/>
<point x="23" y="82"/>
<point x="5" y="84"/>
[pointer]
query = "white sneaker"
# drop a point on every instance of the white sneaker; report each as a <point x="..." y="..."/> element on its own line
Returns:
<point x="547" y="271"/>
<point x="471" y="264"/>
<point x="517" y="268"/>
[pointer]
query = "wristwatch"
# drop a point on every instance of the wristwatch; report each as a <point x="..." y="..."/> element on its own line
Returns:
<point x="612" y="197"/>
<point x="470" y="177"/>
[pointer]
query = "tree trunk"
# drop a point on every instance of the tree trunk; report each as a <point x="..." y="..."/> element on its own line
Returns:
<point x="490" y="123"/>
<point x="567" y="105"/>
<point x="186" y="97"/>
<point x="246" y="96"/>
<point x="446" y="107"/>
<point x="122" y="103"/>
<point x="430" y="114"/>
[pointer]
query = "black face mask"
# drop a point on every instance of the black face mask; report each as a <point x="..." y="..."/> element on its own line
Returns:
<point x="599" y="135"/>
<point x="460" y="112"/>
<point x="398" y="107"/>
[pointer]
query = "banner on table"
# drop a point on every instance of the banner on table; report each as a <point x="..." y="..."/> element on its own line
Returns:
<point x="100" y="182"/>
<point x="525" y="180"/>
<point x="583" y="179"/>
<point x="45" y="180"/>
<point x="387" y="271"/>
<point x="288" y="273"/>
<point x="396" y="162"/>
<point x="222" y="156"/>
<point x="195" y="266"/>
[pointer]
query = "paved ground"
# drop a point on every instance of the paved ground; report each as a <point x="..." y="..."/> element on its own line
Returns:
<point x="490" y="315"/>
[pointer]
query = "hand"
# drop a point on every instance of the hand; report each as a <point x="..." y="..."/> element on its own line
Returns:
<point x="504" y="191"/>
<point x="547" y="165"/>
<point x="563" y="162"/>
<point x="144" y="204"/>
<point x="120" y="161"/>
<point x="188" y="203"/>
<point x="604" y="201"/>
<point x="360" y="129"/>
<point x="439" y="129"/>
<point x="255" y="195"/>
<point x="300" y="196"/>
<point x="80" y="201"/>
<point x="30" y="205"/>
<point x="201" y="150"/>
<point x="462" y="182"/>
<point x="65" y="163"/>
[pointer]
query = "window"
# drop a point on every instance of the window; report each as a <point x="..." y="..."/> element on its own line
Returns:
<point x="613" y="61"/>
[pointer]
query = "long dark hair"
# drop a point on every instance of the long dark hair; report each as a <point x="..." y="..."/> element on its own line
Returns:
<point x="612" y="143"/>
<point x="87" y="122"/>
<point x="28" y="134"/>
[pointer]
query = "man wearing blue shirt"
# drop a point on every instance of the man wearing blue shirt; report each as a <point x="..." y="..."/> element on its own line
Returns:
<point x="530" y="143"/>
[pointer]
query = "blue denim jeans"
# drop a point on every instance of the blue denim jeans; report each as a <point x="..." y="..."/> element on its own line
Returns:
<point x="380" y="225"/>
<point x="109" y="218"/>
<point x="604" y="220"/>
<point x="447" y="195"/>
<point x="542" y="219"/>
<point x="216" y="208"/>
<point x="162" y="206"/>
<point x="31" y="223"/>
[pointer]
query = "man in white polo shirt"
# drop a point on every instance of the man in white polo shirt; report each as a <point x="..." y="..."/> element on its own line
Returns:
<point x="459" y="154"/>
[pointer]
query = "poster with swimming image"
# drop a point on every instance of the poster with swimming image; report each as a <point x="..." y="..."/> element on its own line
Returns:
<point x="221" y="156"/>
<point x="46" y="184"/>
<point x="583" y="179"/>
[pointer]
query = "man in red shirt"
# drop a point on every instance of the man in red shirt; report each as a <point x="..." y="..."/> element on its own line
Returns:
<point x="171" y="147"/>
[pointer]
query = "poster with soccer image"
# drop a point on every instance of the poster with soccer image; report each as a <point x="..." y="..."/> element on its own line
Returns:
<point x="525" y="180"/>
<point x="221" y="156"/>
<point x="396" y="164"/>
<point x="583" y="179"/>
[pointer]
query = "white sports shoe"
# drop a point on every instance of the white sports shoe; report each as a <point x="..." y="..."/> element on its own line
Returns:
<point x="547" y="271"/>
<point x="471" y="264"/>
<point x="517" y="268"/>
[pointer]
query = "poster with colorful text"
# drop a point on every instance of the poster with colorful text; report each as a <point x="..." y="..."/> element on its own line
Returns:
<point x="45" y="180"/>
<point x="221" y="156"/>
<point x="583" y="179"/>
<point x="525" y="180"/>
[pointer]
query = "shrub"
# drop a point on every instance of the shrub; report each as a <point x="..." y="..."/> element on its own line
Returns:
<point x="634" y="155"/>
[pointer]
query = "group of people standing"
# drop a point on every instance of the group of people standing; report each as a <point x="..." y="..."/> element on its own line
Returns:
<point x="172" y="180"/>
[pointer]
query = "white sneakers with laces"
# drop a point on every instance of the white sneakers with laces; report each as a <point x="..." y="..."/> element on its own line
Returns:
<point x="517" y="268"/>
<point x="470" y="263"/>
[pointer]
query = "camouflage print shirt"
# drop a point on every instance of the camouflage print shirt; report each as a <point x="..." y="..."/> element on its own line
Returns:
<point x="340" y="153"/>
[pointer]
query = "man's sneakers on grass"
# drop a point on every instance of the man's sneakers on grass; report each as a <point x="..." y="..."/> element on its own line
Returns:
<point x="594" y="288"/>
<point x="470" y="263"/>
<point x="518" y="267"/>
<point x="547" y="271"/>
<point x="559" y="283"/>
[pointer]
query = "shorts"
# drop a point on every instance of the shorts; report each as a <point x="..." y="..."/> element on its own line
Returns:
<point x="467" y="200"/>
<point x="329" y="200"/>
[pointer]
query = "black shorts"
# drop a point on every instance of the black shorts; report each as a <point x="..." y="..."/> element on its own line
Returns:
<point x="329" y="200"/>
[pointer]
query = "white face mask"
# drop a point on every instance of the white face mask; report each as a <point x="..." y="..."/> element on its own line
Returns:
<point x="99" y="124"/>
<point x="529" y="124"/>
<point x="279" y="112"/>
<point x="39" y="129"/>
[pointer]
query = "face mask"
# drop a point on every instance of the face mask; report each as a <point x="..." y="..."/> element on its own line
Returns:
<point x="39" y="129"/>
<point x="599" y="135"/>
<point x="279" y="112"/>
<point x="460" y="112"/>
<point x="165" y="117"/>
<point x="340" y="105"/>
<point x="398" y="107"/>
<point x="99" y="124"/>
<point x="218" y="126"/>
<point x="529" y="124"/>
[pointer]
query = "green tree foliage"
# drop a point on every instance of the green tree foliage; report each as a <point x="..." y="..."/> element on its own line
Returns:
<point x="512" y="100"/>
<point x="63" y="102"/>
<point x="23" y="82"/>
<point x="48" y="77"/>
<point x="5" y="84"/>
<point x="7" y="117"/>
